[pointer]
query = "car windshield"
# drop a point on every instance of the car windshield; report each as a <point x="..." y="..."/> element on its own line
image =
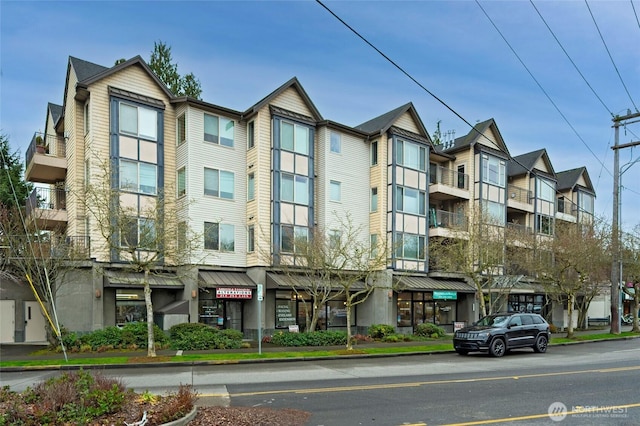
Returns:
<point x="493" y="320"/>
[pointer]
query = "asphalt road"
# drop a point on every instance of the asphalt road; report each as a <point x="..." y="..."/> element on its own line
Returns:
<point x="443" y="389"/>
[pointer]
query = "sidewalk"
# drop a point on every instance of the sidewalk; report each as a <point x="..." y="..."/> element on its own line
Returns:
<point x="24" y="352"/>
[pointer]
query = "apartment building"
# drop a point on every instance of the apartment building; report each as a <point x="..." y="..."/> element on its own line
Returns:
<point x="251" y="183"/>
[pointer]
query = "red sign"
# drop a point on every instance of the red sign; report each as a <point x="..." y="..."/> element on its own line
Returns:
<point x="233" y="293"/>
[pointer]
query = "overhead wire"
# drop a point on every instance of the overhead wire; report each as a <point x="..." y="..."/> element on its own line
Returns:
<point x="610" y="57"/>
<point x="635" y="13"/>
<point x="473" y="128"/>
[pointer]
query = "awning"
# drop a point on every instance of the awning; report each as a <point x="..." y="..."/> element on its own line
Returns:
<point x="287" y="281"/>
<point x="428" y="283"/>
<point x="225" y="279"/>
<point x="129" y="279"/>
<point x="177" y="307"/>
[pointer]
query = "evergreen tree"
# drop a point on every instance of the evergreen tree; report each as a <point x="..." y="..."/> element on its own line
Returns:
<point x="11" y="177"/>
<point x="167" y="71"/>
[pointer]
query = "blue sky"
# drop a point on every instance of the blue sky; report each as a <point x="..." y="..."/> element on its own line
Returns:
<point x="241" y="51"/>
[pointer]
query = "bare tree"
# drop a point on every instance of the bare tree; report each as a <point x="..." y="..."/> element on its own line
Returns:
<point x="146" y="234"/>
<point x="332" y="264"/>
<point x="631" y="270"/>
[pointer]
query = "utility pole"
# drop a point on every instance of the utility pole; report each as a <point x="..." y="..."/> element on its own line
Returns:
<point x="616" y="265"/>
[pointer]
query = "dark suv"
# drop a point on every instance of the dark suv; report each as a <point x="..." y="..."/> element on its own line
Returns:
<point x="498" y="333"/>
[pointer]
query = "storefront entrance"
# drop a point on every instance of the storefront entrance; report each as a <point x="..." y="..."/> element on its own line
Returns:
<point x="221" y="308"/>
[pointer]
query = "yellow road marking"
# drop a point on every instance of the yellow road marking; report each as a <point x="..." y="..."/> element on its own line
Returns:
<point x="542" y="416"/>
<point x="417" y="384"/>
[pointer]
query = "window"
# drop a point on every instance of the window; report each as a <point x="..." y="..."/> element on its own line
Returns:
<point x="373" y="246"/>
<point x="411" y="246"/>
<point x="86" y="118"/>
<point x="374" y="199"/>
<point x="251" y="239"/>
<point x="251" y="184"/>
<point x="293" y="238"/>
<point x="182" y="182"/>
<point x="462" y="184"/>
<point x="294" y="189"/>
<point x="294" y="137"/>
<point x="544" y="224"/>
<point x="336" y="143"/>
<point x="181" y="128"/>
<point x="138" y="177"/>
<point x="219" y="183"/>
<point x="251" y="135"/>
<point x="335" y="191"/>
<point x="334" y="239"/>
<point x="411" y="155"/>
<point x="495" y="212"/>
<point x="411" y="200"/>
<point x="219" y="130"/>
<point x="586" y="203"/>
<point x="493" y="170"/>
<point x="219" y="236"/>
<point x="561" y="206"/>
<point x="546" y="190"/>
<point x="138" y="121"/>
<point x="138" y="232"/>
<point x="374" y="153"/>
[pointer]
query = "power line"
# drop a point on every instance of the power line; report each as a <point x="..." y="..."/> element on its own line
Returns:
<point x="542" y="88"/>
<point x="610" y="57"/>
<point x="570" y="60"/>
<point x="635" y="13"/>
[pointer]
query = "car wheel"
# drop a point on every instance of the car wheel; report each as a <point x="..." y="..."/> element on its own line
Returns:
<point x="497" y="348"/>
<point x="541" y="344"/>
<point x="462" y="352"/>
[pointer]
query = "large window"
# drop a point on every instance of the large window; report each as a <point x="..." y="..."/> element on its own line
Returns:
<point x="495" y="212"/>
<point x="219" y="236"/>
<point x="219" y="130"/>
<point x="182" y="182"/>
<point x="411" y="200"/>
<point x="411" y="246"/>
<point x="219" y="183"/>
<point x="545" y="189"/>
<point x="293" y="238"/>
<point x="544" y="224"/>
<point x="138" y="121"/>
<point x="335" y="192"/>
<point x="411" y="155"/>
<point x="294" y="137"/>
<point x="294" y="189"/>
<point x="138" y="232"/>
<point x="138" y="177"/>
<point x="493" y="170"/>
<point x="130" y="306"/>
<point x="586" y="203"/>
<point x="336" y="143"/>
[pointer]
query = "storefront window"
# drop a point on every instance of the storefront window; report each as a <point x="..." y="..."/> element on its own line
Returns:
<point x="527" y="303"/>
<point x="337" y="314"/>
<point x="404" y="309"/>
<point x="130" y="306"/>
<point x="420" y="307"/>
<point x="212" y="312"/>
<point x="445" y="312"/>
<point x="285" y="313"/>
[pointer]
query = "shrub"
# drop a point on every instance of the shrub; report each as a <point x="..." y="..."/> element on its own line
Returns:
<point x="553" y="328"/>
<point x="190" y="336"/>
<point x="428" y="329"/>
<point x="379" y="331"/>
<point x="110" y="336"/>
<point x="135" y="333"/>
<point x="313" y="338"/>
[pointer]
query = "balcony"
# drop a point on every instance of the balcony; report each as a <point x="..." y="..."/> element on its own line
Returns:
<point x="50" y="246"/>
<point x="447" y="184"/>
<point x="443" y="223"/>
<point x="519" y="198"/>
<point x="566" y="210"/>
<point x="47" y="207"/>
<point x="46" y="160"/>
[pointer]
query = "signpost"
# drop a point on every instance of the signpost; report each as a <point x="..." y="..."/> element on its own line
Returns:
<point x="260" y="299"/>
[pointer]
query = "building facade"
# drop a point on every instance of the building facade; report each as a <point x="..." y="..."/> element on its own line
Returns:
<point x="250" y="185"/>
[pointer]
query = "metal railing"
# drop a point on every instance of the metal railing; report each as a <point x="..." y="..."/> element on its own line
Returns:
<point x="48" y="246"/>
<point x="42" y="143"/>
<point x="518" y="194"/>
<point x="46" y="198"/>
<point x="446" y="219"/>
<point x="518" y="227"/>
<point x="567" y="207"/>
<point x="448" y="177"/>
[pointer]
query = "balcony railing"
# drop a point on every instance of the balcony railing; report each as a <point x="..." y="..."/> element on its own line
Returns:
<point x="49" y="246"/>
<point x="47" y="199"/>
<point x="445" y="219"/>
<point x="567" y="207"/>
<point x="46" y="144"/>
<point x="448" y="177"/>
<point x="518" y="194"/>
<point x="518" y="227"/>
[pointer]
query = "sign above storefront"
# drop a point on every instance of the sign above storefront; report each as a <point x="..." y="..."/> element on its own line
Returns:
<point x="446" y="295"/>
<point x="233" y="293"/>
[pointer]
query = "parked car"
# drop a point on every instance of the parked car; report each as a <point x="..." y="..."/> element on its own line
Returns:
<point x="499" y="333"/>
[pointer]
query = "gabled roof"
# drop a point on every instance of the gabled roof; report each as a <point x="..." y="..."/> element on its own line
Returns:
<point x="292" y="83"/>
<point x="85" y="69"/>
<point x="568" y="179"/>
<point x="475" y="135"/>
<point x="382" y="123"/>
<point x="524" y="163"/>
<point x="55" y="111"/>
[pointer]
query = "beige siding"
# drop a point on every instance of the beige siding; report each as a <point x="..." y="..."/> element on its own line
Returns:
<point x="541" y="165"/>
<point x="582" y="181"/>
<point x="491" y="142"/>
<point x="406" y="121"/>
<point x="260" y="156"/>
<point x="291" y="100"/>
